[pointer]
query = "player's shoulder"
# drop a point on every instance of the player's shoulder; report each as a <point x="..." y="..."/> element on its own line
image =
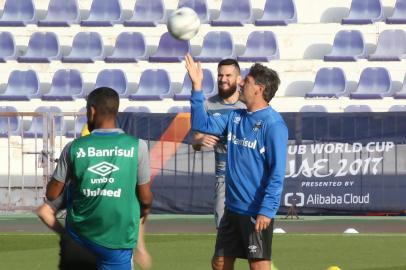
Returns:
<point x="272" y="117"/>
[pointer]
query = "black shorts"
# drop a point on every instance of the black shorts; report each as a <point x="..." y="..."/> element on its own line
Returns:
<point x="74" y="256"/>
<point x="236" y="237"/>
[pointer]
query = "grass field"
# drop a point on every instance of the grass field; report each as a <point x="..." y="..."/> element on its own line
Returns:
<point x="193" y="251"/>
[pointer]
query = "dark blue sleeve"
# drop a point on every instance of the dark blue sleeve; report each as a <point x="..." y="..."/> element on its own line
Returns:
<point x="203" y="122"/>
<point x="276" y="140"/>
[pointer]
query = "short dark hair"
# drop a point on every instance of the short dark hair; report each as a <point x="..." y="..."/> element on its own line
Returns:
<point x="229" y="62"/>
<point x="105" y="100"/>
<point x="267" y="77"/>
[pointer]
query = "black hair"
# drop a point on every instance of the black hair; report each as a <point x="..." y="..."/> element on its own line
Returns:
<point x="105" y="100"/>
<point x="229" y="62"/>
<point x="267" y="77"/>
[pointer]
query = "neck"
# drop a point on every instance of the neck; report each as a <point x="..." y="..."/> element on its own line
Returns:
<point x="257" y="106"/>
<point x="106" y="124"/>
<point x="232" y="99"/>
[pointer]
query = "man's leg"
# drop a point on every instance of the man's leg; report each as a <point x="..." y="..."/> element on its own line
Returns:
<point x="141" y="255"/>
<point x="222" y="263"/>
<point x="219" y="198"/>
<point x="259" y="264"/>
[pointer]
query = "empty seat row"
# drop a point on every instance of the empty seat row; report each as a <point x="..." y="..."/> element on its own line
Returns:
<point x="67" y="85"/>
<point x="374" y="83"/>
<point x="145" y="13"/>
<point x="88" y="47"/>
<point x="349" y="45"/>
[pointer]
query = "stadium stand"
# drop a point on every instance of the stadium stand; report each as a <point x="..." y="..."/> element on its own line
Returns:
<point x="217" y="45"/>
<point x="278" y="12"/>
<point x="209" y="86"/>
<point x="364" y="12"/>
<point x="402" y="93"/>
<point x="78" y="124"/>
<point x="373" y="83"/>
<point x="357" y="108"/>
<point x="147" y="13"/>
<point x="155" y="84"/>
<point x="129" y="47"/>
<point x="115" y="79"/>
<point x="178" y="109"/>
<point x="170" y="49"/>
<point x="199" y="6"/>
<point x="391" y="46"/>
<point x="22" y="85"/>
<point x="348" y="45"/>
<point x="7" y="47"/>
<point x="234" y="13"/>
<point x="137" y="109"/>
<point x="399" y="13"/>
<point x="104" y="13"/>
<point x="329" y="82"/>
<point x="18" y="13"/>
<point x="61" y="13"/>
<point x="313" y="108"/>
<point x="87" y="47"/>
<point x="37" y="127"/>
<point x="43" y="47"/>
<point x="67" y="85"/>
<point x="262" y="46"/>
<point x="9" y="125"/>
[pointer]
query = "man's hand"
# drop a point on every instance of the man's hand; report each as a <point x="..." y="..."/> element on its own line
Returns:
<point x="195" y="72"/>
<point x="200" y="139"/>
<point x="262" y="223"/>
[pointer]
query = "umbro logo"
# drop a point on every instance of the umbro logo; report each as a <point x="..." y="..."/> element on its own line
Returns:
<point x="237" y="120"/>
<point x="104" y="168"/>
<point x="81" y="153"/>
<point x="253" y="248"/>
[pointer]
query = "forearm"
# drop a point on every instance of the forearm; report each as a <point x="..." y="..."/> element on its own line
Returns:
<point x="48" y="217"/>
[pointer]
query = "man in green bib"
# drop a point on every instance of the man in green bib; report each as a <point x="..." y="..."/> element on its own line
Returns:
<point x="109" y="186"/>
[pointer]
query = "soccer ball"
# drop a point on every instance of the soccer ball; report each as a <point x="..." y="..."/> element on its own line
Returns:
<point x="183" y="23"/>
<point x="334" y="268"/>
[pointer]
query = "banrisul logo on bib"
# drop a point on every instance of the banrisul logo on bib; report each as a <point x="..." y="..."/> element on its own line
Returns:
<point x="103" y="168"/>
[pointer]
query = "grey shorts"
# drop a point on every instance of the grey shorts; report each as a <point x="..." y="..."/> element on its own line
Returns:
<point x="236" y="237"/>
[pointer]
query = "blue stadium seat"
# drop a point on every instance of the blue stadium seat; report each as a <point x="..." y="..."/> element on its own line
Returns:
<point x="113" y="78"/>
<point x="155" y="84"/>
<point x="329" y="82"/>
<point x="209" y="86"/>
<point x="398" y="108"/>
<point x="391" y="46"/>
<point x="37" y="127"/>
<point x="262" y="46"/>
<point x="9" y="125"/>
<point x="357" y="108"/>
<point x="104" y="13"/>
<point x="43" y="47"/>
<point x="170" y="49"/>
<point x="7" y="47"/>
<point x="217" y="45"/>
<point x="278" y="12"/>
<point x="313" y="108"/>
<point x="399" y="13"/>
<point x="178" y="109"/>
<point x="87" y="47"/>
<point x="402" y="93"/>
<point x="199" y="6"/>
<point x="21" y="85"/>
<point x="234" y="13"/>
<point x="137" y="109"/>
<point x="67" y="84"/>
<point x="79" y="122"/>
<point x="348" y="45"/>
<point x="374" y="83"/>
<point x="364" y="12"/>
<point x="129" y="47"/>
<point x="18" y="13"/>
<point x="147" y="13"/>
<point x="61" y="13"/>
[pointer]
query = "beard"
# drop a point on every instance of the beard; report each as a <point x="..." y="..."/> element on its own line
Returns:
<point x="224" y="94"/>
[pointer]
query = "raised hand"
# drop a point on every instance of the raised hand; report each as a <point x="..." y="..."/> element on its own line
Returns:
<point x="195" y="72"/>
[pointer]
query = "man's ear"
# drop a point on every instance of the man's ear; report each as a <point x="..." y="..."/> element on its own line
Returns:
<point x="260" y="89"/>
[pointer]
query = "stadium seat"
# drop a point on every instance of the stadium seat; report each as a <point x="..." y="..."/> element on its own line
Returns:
<point x="21" y="85"/>
<point x="170" y="49"/>
<point x="87" y="47"/>
<point x="129" y="47"/>
<point x="144" y="109"/>
<point x="7" y="47"/>
<point x="357" y="108"/>
<point x="399" y="13"/>
<point x="18" y="13"/>
<point x="348" y="45"/>
<point x="262" y="46"/>
<point x="79" y="121"/>
<point x="43" y="47"/>
<point x="37" y="127"/>
<point x="67" y="84"/>
<point x="115" y="79"/>
<point x="364" y="12"/>
<point x="313" y="108"/>
<point x="398" y="108"/>
<point x="391" y="46"/>
<point x="147" y="13"/>
<point x="402" y="93"/>
<point x="209" y="86"/>
<point x="234" y="13"/>
<point x="217" y="45"/>
<point x="199" y="6"/>
<point x="178" y="109"/>
<point x="155" y="84"/>
<point x="278" y="12"/>
<point x="104" y="13"/>
<point x="329" y="83"/>
<point x="61" y="13"/>
<point x="9" y="125"/>
<point x="374" y="83"/>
